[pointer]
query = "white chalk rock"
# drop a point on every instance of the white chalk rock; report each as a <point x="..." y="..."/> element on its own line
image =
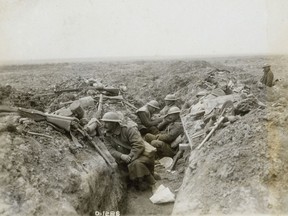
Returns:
<point x="162" y="195"/>
<point x="86" y="101"/>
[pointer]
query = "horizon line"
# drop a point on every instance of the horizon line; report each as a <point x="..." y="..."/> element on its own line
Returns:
<point x="127" y="58"/>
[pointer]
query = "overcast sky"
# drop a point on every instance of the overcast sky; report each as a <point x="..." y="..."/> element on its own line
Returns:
<point x="53" y="29"/>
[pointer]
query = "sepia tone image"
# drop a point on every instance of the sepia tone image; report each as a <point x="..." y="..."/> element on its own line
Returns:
<point x="133" y="107"/>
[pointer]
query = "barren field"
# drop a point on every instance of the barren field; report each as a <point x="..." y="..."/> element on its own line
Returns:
<point x="241" y="169"/>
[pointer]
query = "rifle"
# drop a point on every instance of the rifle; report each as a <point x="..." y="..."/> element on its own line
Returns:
<point x="59" y="121"/>
<point x="57" y="92"/>
<point x="111" y="91"/>
<point x="98" y="149"/>
<point x="100" y="107"/>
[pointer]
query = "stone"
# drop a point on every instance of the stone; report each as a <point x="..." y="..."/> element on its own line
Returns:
<point x="162" y="195"/>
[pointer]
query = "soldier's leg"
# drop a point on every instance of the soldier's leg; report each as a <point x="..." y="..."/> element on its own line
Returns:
<point x="163" y="149"/>
<point x="153" y="130"/>
<point x="141" y="171"/>
<point x="149" y="137"/>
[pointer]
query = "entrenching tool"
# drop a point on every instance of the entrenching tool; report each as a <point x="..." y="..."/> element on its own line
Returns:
<point x="225" y="106"/>
<point x="98" y="149"/>
<point x="212" y="131"/>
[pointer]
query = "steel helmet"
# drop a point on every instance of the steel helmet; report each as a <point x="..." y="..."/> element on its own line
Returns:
<point x="154" y="104"/>
<point x="111" y="117"/>
<point x="266" y="65"/>
<point x="173" y="110"/>
<point x="170" y="97"/>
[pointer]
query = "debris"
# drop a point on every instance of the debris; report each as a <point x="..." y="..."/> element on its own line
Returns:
<point x="186" y="133"/>
<point x="199" y="113"/>
<point x="77" y="109"/>
<point x="246" y="105"/>
<point x="38" y="134"/>
<point x="86" y="101"/>
<point x="64" y="112"/>
<point x="118" y="97"/>
<point x="123" y="88"/>
<point x="162" y="195"/>
<point x="219" y="101"/>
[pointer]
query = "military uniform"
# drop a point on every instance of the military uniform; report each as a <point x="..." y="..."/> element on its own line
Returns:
<point x="165" y="109"/>
<point x="145" y="124"/>
<point x="127" y="140"/>
<point x="267" y="78"/>
<point x="163" y="140"/>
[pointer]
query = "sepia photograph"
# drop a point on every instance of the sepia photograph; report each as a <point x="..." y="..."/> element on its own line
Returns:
<point x="143" y="107"/>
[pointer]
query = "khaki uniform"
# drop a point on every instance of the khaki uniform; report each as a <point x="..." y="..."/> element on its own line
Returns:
<point x="163" y="140"/>
<point x="127" y="140"/>
<point x="145" y="123"/>
<point x="267" y="78"/>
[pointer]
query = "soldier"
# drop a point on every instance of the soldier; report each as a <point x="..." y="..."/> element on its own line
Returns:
<point x="171" y="127"/>
<point x="267" y="78"/>
<point x="127" y="146"/>
<point x="145" y="122"/>
<point x="170" y="100"/>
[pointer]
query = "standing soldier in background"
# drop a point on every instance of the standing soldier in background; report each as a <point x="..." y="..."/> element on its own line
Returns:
<point x="145" y="123"/>
<point x="170" y="100"/>
<point x="267" y="78"/>
<point x="127" y="147"/>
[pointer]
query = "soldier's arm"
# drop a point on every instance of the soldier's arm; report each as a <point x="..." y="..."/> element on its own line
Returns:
<point x="137" y="143"/>
<point x="162" y="125"/>
<point x="172" y="135"/>
<point x="116" y="154"/>
<point x="162" y="112"/>
<point x="146" y="121"/>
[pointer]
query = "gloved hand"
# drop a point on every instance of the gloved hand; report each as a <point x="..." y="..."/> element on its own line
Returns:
<point x="125" y="158"/>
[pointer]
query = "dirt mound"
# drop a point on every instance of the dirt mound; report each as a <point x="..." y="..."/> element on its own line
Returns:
<point x="242" y="167"/>
<point x="38" y="172"/>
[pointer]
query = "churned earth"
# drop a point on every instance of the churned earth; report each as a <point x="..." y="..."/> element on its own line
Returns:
<point x="242" y="168"/>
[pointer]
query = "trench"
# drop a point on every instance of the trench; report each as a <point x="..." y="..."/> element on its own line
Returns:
<point x="75" y="182"/>
<point x="45" y="176"/>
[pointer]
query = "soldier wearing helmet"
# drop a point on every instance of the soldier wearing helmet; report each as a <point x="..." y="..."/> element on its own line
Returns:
<point x="127" y="146"/>
<point x="171" y="128"/>
<point x="170" y="101"/>
<point x="145" y="122"/>
<point x="268" y="76"/>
